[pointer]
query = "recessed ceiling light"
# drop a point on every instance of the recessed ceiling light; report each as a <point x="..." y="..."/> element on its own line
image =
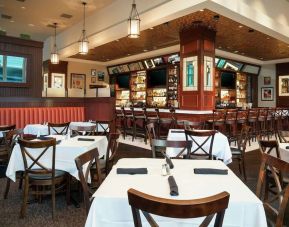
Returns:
<point x="220" y="47"/>
<point x="202" y="10"/>
<point x="23" y="7"/>
<point x="261" y="58"/>
<point x="12" y="21"/>
<point x="31" y="25"/>
<point x="240" y="26"/>
<point x="152" y="28"/>
<point x="228" y="47"/>
<point x="236" y="51"/>
<point x="117" y="40"/>
<point x="145" y="50"/>
<point x="107" y="59"/>
<point x="243" y="53"/>
<point x="268" y="38"/>
<point x="128" y="54"/>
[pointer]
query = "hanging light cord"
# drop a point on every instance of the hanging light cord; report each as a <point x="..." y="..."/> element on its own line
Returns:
<point x="84" y="4"/>
<point x="55" y="25"/>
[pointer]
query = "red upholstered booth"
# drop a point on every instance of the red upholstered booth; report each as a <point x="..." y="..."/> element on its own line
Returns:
<point x="38" y="115"/>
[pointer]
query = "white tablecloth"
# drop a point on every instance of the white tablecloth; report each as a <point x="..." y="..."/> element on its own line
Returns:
<point x="66" y="152"/>
<point x="110" y="206"/>
<point x="221" y="147"/>
<point x="43" y="129"/>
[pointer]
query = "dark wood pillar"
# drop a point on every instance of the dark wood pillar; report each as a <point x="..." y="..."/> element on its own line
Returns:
<point x="197" y="44"/>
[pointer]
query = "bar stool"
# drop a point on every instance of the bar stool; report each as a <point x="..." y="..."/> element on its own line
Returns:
<point x="231" y="125"/>
<point x="270" y="120"/>
<point x="262" y="120"/>
<point x="127" y="123"/>
<point x="218" y="120"/>
<point x="252" y="122"/>
<point x="167" y="123"/>
<point x="138" y="130"/>
<point x="119" y="121"/>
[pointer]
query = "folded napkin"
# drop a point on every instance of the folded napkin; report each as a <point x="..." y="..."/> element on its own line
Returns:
<point x="131" y="171"/>
<point x="169" y="162"/>
<point x="210" y="171"/>
<point x="287" y="147"/>
<point x="85" y="139"/>
<point x="174" y="191"/>
<point x="177" y="131"/>
<point x="58" y="141"/>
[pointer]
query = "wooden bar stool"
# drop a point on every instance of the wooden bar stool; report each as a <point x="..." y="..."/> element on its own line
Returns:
<point x="138" y="125"/>
<point x="252" y="122"/>
<point x="231" y="125"/>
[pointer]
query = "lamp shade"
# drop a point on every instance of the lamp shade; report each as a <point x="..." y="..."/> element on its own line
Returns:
<point x="83" y="47"/>
<point x="133" y="28"/>
<point x="54" y="58"/>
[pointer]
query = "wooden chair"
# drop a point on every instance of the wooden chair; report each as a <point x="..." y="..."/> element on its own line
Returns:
<point x="83" y="130"/>
<point x="190" y="125"/>
<point x="38" y="176"/>
<point x="267" y="146"/>
<point x="11" y="139"/>
<point x="276" y="206"/>
<point x="209" y="206"/>
<point x="58" y="128"/>
<point x="283" y="136"/>
<point x="110" y="152"/>
<point x="231" y="125"/>
<point x="159" y="147"/>
<point x="105" y="128"/>
<point x="200" y="150"/>
<point x="138" y="125"/>
<point x="253" y="122"/>
<point x="5" y="128"/>
<point x="239" y="152"/>
<point x="151" y="132"/>
<point x="89" y="157"/>
<point x="218" y="120"/>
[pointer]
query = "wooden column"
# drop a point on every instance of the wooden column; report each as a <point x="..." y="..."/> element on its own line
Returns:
<point x="197" y="41"/>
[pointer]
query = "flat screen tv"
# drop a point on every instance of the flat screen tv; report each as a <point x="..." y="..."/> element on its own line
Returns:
<point x="123" y="81"/>
<point x="228" y="80"/>
<point x="157" y="78"/>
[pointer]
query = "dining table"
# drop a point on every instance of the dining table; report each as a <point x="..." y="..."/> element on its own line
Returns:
<point x="221" y="147"/>
<point x="110" y="207"/>
<point x="67" y="149"/>
<point x="284" y="151"/>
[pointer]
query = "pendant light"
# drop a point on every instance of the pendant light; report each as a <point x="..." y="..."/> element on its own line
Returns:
<point x="133" y="22"/>
<point x="54" y="58"/>
<point x="83" y="41"/>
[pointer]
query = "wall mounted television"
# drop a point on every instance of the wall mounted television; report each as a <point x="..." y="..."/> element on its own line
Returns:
<point x="157" y="77"/>
<point x="123" y="81"/>
<point x="228" y="80"/>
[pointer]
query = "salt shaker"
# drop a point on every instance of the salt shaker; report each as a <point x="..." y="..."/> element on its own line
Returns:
<point x="164" y="170"/>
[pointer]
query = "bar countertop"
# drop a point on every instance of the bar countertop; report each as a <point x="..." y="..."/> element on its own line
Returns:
<point x="177" y="110"/>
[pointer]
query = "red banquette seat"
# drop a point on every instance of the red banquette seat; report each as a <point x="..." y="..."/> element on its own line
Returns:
<point x="38" y="115"/>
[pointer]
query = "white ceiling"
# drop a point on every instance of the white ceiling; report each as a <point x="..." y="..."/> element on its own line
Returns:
<point x="32" y="16"/>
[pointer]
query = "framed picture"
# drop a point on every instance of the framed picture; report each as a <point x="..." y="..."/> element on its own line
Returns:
<point x="93" y="72"/>
<point x="93" y="79"/>
<point x="57" y="80"/>
<point x="78" y="81"/>
<point x="100" y="76"/>
<point x="208" y="73"/>
<point x="267" y="93"/>
<point x="45" y="81"/>
<point x="267" y="80"/>
<point x="283" y="85"/>
<point x="190" y="73"/>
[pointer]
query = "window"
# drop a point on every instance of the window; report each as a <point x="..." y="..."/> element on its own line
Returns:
<point x="12" y="69"/>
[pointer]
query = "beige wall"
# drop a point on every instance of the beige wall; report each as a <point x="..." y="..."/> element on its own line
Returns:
<point x="85" y="68"/>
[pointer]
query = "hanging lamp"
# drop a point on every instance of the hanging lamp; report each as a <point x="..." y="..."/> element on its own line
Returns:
<point x="133" y="22"/>
<point x="83" y="41"/>
<point x="54" y="58"/>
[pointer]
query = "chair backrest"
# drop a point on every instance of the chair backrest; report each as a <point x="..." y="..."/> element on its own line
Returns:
<point x="43" y="147"/>
<point x="283" y="136"/>
<point x="151" y="132"/>
<point x="267" y="146"/>
<point x="190" y="125"/>
<point x="111" y="151"/>
<point x="243" y="138"/>
<point x="276" y="168"/>
<point x="205" y="147"/>
<point x="242" y="114"/>
<point x="83" y="130"/>
<point x="105" y="127"/>
<point x="58" y="128"/>
<point x="87" y="159"/>
<point x="158" y="144"/>
<point x="204" y="207"/>
<point x="12" y="138"/>
<point x="231" y="115"/>
<point x="5" y="129"/>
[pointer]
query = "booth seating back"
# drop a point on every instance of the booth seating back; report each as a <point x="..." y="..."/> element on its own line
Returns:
<point x="38" y="115"/>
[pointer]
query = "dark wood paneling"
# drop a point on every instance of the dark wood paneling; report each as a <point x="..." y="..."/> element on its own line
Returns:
<point x="99" y="109"/>
<point x="281" y="70"/>
<point x="33" y="51"/>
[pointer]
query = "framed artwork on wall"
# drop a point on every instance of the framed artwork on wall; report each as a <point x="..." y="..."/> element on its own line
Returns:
<point x="267" y="80"/>
<point x="208" y="73"/>
<point x="93" y="72"/>
<point x="93" y="79"/>
<point x="267" y="93"/>
<point x="45" y="81"/>
<point x="283" y="85"/>
<point x="78" y="81"/>
<point x="57" y="80"/>
<point x="100" y="76"/>
<point x="190" y="72"/>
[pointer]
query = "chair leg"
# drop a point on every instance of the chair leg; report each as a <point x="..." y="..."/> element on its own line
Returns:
<point x="7" y="188"/>
<point x="244" y="169"/>
<point x="53" y="199"/>
<point x="68" y="189"/>
<point x="21" y="180"/>
<point x="25" y="197"/>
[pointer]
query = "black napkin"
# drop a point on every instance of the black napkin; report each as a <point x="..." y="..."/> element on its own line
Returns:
<point x="177" y="131"/>
<point x="85" y="139"/>
<point x="58" y="141"/>
<point x="174" y="191"/>
<point x="210" y="171"/>
<point x="131" y="171"/>
<point x="169" y="162"/>
<point x="287" y="147"/>
<point x="44" y="137"/>
<point x="73" y="135"/>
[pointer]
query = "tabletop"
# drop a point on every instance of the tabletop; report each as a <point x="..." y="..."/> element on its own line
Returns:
<point x="66" y="152"/>
<point x="221" y="148"/>
<point x="110" y="205"/>
<point x="284" y="153"/>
